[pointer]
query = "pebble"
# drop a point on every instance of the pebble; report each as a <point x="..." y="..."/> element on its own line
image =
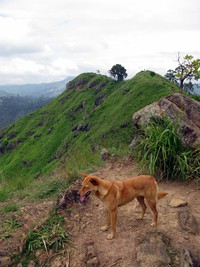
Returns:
<point x="177" y="202"/>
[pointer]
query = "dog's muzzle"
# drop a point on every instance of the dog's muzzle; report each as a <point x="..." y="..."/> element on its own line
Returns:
<point x="83" y="198"/>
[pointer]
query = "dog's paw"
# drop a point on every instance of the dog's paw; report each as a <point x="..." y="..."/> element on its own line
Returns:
<point x="153" y="224"/>
<point x="110" y="236"/>
<point x="104" y="228"/>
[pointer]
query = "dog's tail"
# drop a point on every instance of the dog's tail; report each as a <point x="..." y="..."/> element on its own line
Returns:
<point x="161" y="195"/>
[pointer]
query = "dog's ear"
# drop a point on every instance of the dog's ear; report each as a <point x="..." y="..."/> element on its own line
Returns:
<point x="94" y="181"/>
<point x="84" y="174"/>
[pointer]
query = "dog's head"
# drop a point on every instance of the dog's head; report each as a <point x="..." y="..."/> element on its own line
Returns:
<point x="89" y="184"/>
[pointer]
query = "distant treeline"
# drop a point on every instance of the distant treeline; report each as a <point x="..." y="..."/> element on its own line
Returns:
<point x="14" y="107"/>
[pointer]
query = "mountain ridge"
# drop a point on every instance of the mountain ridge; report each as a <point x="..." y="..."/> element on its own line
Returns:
<point x="93" y="111"/>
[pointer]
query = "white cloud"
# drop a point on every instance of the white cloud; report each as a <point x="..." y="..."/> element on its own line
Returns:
<point x="48" y="40"/>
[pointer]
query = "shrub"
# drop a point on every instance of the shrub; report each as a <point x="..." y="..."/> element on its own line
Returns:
<point x="162" y="152"/>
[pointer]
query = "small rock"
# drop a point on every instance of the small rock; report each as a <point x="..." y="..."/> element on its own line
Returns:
<point x="188" y="222"/>
<point x="177" y="202"/>
<point x="90" y="251"/>
<point x="57" y="262"/>
<point x="91" y="259"/>
<point x="94" y="262"/>
<point x="31" y="264"/>
<point x="104" y="154"/>
<point x="83" y="226"/>
<point x="4" y="261"/>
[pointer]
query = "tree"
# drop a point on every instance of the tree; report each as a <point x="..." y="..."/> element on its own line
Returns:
<point x="118" y="72"/>
<point x="187" y="71"/>
<point x="171" y="76"/>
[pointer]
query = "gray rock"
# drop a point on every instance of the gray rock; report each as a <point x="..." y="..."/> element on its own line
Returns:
<point x="188" y="222"/>
<point x="152" y="251"/>
<point x="179" y="108"/>
<point x="187" y="259"/>
<point x="104" y="154"/>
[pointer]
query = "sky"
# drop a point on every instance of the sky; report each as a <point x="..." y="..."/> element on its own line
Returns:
<point x="49" y="40"/>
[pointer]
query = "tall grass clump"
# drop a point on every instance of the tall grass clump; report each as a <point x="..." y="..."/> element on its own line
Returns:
<point x="163" y="154"/>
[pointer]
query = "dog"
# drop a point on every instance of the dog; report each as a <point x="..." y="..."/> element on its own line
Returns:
<point x="119" y="193"/>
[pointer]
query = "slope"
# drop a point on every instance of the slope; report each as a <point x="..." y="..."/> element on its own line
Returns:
<point x="94" y="111"/>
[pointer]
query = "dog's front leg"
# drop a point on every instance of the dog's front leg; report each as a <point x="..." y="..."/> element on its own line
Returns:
<point x="107" y="224"/>
<point x="113" y="224"/>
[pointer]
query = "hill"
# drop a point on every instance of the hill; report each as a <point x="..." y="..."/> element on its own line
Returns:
<point x="4" y="94"/>
<point x="94" y="111"/>
<point x="49" y="90"/>
<point x="14" y="107"/>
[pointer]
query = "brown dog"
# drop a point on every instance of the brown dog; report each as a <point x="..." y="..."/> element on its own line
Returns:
<point x="119" y="193"/>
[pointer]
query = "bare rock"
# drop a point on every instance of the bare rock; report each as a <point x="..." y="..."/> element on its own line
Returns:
<point x="105" y="154"/>
<point x="57" y="262"/>
<point x="5" y="261"/>
<point x="67" y="198"/>
<point x="188" y="222"/>
<point x="187" y="259"/>
<point x="91" y="258"/>
<point x="152" y="251"/>
<point x="179" y="108"/>
<point x="93" y="262"/>
<point x="31" y="264"/>
<point x="177" y="202"/>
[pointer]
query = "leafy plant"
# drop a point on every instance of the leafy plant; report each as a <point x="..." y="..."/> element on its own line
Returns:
<point x="162" y="152"/>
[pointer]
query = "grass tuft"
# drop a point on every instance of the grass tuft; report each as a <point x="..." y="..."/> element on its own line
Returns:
<point x="162" y="152"/>
<point x="51" y="235"/>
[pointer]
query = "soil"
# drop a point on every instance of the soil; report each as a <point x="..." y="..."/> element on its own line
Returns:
<point x="90" y="247"/>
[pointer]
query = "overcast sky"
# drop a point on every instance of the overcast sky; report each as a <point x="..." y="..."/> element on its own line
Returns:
<point x="49" y="40"/>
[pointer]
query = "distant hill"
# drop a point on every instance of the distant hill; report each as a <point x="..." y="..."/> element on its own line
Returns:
<point x="93" y="112"/>
<point x="3" y="93"/>
<point x="13" y="108"/>
<point x="197" y="89"/>
<point x="49" y="90"/>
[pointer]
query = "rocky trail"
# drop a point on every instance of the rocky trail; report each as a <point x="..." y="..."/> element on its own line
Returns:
<point x="174" y="242"/>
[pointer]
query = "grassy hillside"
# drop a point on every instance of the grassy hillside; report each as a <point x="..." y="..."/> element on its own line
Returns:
<point x="95" y="111"/>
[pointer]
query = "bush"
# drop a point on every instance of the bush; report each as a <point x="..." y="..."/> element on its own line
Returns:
<point x="162" y="152"/>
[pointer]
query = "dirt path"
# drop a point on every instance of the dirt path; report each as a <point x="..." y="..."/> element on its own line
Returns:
<point x="93" y="249"/>
<point x="129" y="248"/>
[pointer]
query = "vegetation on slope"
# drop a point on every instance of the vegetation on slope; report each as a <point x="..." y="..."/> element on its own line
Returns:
<point x="94" y="111"/>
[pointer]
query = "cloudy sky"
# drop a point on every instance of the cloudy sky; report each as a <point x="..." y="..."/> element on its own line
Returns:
<point x="49" y="40"/>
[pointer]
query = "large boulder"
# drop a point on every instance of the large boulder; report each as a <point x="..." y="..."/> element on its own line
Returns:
<point x="179" y="108"/>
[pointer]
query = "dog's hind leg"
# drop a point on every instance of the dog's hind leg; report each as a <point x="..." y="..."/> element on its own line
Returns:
<point x="140" y="199"/>
<point x="152" y="205"/>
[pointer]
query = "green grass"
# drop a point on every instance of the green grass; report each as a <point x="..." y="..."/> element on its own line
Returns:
<point x="163" y="154"/>
<point x="47" y="140"/>
<point x="8" y="227"/>
<point x="44" y="138"/>
<point x="50" y="236"/>
<point x="10" y="207"/>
